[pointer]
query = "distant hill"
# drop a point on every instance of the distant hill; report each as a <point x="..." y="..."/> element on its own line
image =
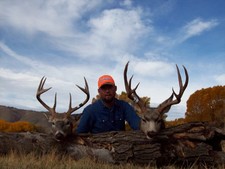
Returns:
<point x="12" y="114"/>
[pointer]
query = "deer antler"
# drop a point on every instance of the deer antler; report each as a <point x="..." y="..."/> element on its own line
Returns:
<point x="169" y="102"/>
<point x="86" y="91"/>
<point x="163" y="107"/>
<point x="131" y="93"/>
<point x="40" y="91"/>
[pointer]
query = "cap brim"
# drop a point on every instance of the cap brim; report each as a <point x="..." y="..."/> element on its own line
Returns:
<point x="112" y="84"/>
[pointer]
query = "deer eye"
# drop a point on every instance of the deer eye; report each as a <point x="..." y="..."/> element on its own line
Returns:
<point x="53" y="123"/>
<point x="67" y="123"/>
<point x="157" y="120"/>
<point x="143" y="120"/>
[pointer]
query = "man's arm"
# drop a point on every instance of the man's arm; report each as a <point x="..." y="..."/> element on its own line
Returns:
<point x="131" y="117"/>
<point x="84" y="125"/>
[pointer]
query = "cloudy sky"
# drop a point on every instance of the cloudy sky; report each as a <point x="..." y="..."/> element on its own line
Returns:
<point x="67" y="40"/>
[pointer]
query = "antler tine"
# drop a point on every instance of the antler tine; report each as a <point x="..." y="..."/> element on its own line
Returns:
<point x="182" y="87"/>
<point x="86" y="91"/>
<point x="40" y="91"/>
<point x="127" y="85"/>
<point x="169" y="102"/>
<point x="131" y="93"/>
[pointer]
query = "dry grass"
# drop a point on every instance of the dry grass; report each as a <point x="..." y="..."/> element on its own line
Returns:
<point x="50" y="161"/>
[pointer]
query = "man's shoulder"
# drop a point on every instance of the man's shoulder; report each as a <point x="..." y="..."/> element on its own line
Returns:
<point x="96" y="104"/>
<point x="122" y="102"/>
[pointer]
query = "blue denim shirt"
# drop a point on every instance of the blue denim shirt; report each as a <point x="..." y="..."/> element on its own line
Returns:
<point x="98" y="118"/>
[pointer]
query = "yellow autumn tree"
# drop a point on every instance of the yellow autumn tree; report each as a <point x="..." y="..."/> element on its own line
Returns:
<point x="207" y="105"/>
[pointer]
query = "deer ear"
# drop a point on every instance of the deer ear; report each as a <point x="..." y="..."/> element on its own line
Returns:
<point x="76" y="117"/>
<point x="142" y="116"/>
<point x="165" y="110"/>
<point x="162" y="109"/>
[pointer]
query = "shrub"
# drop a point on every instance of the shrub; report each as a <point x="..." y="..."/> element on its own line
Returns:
<point x="19" y="126"/>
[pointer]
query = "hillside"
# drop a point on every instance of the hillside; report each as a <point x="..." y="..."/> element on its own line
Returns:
<point x="37" y="118"/>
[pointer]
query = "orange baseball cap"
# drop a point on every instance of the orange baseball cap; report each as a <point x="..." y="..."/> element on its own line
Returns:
<point x="105" y="79"/>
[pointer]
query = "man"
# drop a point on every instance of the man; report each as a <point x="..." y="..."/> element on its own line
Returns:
<point x="107" y="113"/>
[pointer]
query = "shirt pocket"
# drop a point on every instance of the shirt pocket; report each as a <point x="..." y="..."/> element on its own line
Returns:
<point x="119" y="121"/>
<point x="102" y="124"/>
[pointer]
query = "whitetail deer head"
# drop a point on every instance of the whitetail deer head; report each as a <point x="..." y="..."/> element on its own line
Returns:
<point x="152" y="120"/>
<point x="62" y="123"/>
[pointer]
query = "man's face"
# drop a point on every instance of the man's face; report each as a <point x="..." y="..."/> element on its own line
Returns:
<point x="107" y="92"/>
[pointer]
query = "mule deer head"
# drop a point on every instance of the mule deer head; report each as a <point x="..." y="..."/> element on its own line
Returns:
<point x="152" y="118"/>
<point x="62" y="123"/>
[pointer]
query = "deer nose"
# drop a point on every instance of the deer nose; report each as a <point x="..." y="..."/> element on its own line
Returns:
<point x="59" y="136"/>
<point x="151" y="133"/>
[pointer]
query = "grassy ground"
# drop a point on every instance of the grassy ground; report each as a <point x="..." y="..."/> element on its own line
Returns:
<point x="52" y="161"/>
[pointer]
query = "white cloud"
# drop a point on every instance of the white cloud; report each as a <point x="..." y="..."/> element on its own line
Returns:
<point x="53" y="17"/>
<point x="193" y="28"/>
<point x="17" y="76"/>
<point x="197" y="27"/>
<point x="20" y="58"/>
<point x="154" y="68"/>
<point x="118" y="26"/>
<point x="111" y="34"/>
<point x="115" y="31"/>
<point x="28" y="63"/>
<point x="127" y="3"/>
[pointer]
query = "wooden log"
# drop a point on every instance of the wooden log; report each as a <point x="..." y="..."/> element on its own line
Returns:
<point x="184" y="144"/>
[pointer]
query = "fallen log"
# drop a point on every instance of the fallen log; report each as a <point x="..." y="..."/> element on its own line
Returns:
<point x="190" y="143"/>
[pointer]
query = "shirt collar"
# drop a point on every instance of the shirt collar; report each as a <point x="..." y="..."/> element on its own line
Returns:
<point x="115" y="105"/>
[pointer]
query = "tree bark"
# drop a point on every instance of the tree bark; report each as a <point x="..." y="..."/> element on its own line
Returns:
<point x="184" y="144"/>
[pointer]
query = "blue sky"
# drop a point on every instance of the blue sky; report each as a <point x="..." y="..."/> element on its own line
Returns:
<point x="66" y="40"/>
